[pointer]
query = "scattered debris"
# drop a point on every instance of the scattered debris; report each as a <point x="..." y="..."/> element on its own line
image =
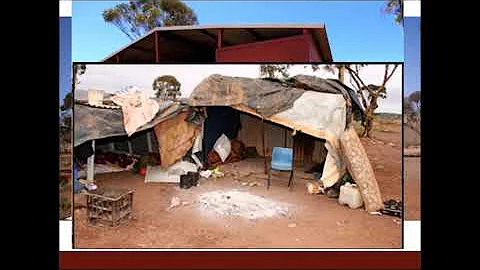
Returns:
<point x="341" y="223"/>
<point x="243" y="204"/>
<point x="397" y="221"/>
<point x="189" y="180"/>
<point x="244" y="183"/>
<point x="391" y="144"/>
<point x="215" y="173"/>
<point x="314" y="187"/>
<point x="292" y="225"/>
<point x="332" y="193"/>
<point x="376" y="213"/>
<point x="255" y="183"/>
<point x="206" y="173"/>
<point x="174" y="202"/>
<point x="91" y="186"/>
<point x="380" y="166"/>
<point x="392" y="208"/>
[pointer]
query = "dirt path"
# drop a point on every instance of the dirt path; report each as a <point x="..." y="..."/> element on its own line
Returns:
<point x="317" y="221"/>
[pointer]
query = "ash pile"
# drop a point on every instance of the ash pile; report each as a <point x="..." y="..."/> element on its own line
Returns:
<point x="242" y="204"/>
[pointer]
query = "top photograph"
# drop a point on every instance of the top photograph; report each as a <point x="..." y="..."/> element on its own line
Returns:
<point x="229" y="32"/>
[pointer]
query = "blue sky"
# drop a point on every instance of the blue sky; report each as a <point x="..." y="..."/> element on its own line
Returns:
<point x="412" y="55"/>
<point x="357" y="30"/>
<point x="65" y="56"/>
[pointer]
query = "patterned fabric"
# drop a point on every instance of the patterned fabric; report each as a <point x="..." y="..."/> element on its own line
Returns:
<point x="361" y="170"/>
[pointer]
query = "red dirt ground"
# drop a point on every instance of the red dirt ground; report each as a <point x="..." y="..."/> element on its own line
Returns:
<point x="320" y="222"/>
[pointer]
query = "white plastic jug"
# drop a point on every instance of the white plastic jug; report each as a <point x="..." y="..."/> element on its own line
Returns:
<point x="350" y="195"/>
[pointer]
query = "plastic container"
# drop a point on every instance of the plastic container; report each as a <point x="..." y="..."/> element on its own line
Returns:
<point x="95" y="97"/>
<point x="350" y="195"/>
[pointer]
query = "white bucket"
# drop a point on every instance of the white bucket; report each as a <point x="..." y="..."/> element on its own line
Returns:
<point x="95" y="97"/>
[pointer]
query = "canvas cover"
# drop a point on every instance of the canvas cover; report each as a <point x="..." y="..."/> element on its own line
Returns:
<point x="92" y="123"/>
<point x="175" y="138"/>
<point x="268" y="96"/>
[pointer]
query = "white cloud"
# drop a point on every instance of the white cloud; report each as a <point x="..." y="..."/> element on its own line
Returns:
<point x="112" y="78"/>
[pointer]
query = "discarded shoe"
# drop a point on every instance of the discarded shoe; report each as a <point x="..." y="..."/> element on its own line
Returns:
<point x="392" y="208"/>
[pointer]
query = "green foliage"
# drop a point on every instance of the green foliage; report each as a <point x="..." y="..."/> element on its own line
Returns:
<point x="136" y="18"/>
<point x="166" y="87"/>
<point x="271" y="71"/>
<point x="67" y="102"/>
<point x="395" y="7"/>
<point x="416" y="99"/>
<point x="411" y="110"/>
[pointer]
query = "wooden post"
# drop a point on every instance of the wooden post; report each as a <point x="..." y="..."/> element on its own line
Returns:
<point x="292" y="179"/>
<point x="149" y="142"/>
<point x="265" y="168"/>
<point x="219" y="38"/>
<point x="157" y="52"/>
<point x="91" y="164"/>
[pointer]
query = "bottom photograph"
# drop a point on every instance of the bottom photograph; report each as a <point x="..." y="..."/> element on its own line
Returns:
<point x="237" y="156"/>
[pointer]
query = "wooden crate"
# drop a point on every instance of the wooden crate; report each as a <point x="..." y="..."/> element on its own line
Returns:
<point x="109" y="206"/>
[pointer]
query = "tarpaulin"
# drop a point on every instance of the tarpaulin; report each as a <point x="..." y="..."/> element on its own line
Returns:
<point x="175" y="138"/>
<point x="92" y="123"/>
<point x="268" y="96"/>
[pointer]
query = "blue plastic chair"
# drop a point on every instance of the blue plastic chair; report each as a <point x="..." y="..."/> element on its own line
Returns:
<point x="282" y="160"/>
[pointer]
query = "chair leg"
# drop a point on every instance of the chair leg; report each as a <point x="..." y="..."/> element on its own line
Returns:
<point x="291" y="180"/>
<point x="269" y="176"/>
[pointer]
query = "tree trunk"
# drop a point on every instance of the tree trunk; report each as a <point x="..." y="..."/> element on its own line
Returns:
<point x="368" y="123"/>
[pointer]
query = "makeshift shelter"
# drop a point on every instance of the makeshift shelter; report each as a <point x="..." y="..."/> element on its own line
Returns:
<point x="312" y="114"/>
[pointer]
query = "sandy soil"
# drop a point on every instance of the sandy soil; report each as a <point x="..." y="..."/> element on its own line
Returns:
<point x="317" y="222"/>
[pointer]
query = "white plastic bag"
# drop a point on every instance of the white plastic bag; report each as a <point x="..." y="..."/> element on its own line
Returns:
<point x="222" y="147"/>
